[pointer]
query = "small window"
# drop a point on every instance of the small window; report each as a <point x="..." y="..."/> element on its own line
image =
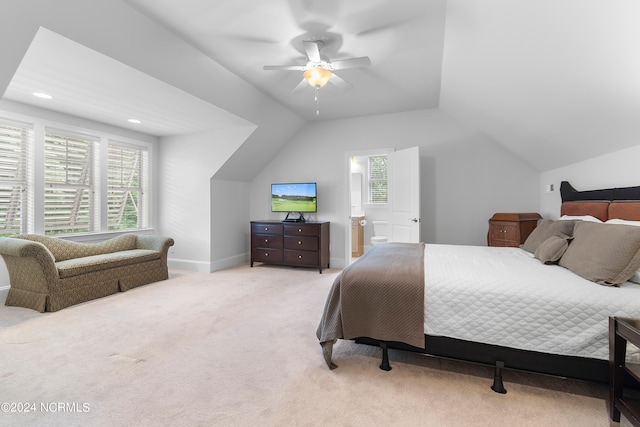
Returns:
<point x="378" y="183"/>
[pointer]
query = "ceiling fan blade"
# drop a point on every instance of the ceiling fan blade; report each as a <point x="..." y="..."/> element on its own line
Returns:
<point x="339" y="82"/>
<point x="285" y="67"/>
<point x="363" y="61"/>
<point x="301" y="86"/>
<point x="313" y="50"/>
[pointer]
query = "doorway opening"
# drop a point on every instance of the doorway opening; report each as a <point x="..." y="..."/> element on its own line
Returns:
<point x="381" y="207"/>
<point x="367" y="184"/>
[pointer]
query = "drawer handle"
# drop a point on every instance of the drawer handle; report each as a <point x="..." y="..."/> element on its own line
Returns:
<point x="266" y="254"/>
<point x="266" y="240"/>
<point x="299" y="230"/>
<point x="299" y="256"/>
<point x="266" y="229"/>
<point x="299" y="242"/>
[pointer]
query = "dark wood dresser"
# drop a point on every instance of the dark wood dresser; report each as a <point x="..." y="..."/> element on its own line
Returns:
<point x="295" y="244"/>
<point x="511" y="229"/>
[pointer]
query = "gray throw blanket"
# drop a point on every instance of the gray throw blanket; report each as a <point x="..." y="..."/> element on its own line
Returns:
<point x="380" y="296"/>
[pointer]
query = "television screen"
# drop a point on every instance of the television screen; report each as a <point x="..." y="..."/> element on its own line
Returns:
<point x="295" y="197"/>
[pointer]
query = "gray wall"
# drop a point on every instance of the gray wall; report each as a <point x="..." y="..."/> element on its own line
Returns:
<point x="465" y="177"/>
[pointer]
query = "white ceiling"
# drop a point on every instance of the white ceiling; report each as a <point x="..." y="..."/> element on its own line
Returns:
<point x="91" y="85"/>
<point x="553" y="81"/>
<point x="403" y="39"/>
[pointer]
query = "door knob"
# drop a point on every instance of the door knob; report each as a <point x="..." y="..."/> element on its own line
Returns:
<point x="415" y="219"/>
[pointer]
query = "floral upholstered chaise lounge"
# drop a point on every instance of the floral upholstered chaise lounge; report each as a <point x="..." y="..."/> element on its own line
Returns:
<point x="49" y="273"/>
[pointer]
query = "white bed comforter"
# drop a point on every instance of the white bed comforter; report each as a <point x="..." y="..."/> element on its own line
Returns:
<point x="504" y="296"/>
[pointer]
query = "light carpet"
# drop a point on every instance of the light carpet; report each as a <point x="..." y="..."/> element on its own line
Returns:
<point x="237" y="348"/>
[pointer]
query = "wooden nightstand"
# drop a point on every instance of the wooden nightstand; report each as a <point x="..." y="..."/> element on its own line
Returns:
<point x="621" y="331"/>
<point x="511" y="229"/>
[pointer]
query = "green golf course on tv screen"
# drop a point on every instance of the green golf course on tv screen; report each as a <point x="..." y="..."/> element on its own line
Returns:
<point x="294" y="197"/>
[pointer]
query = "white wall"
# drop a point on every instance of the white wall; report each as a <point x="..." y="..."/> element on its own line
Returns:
<point x="230" y="234"/>
<point x="187" y="164"/>
<point x="617" y="169"/>
<point x="465" y="177"/>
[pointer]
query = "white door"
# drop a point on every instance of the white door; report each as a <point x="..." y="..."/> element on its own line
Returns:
<point x="404" y="195"/>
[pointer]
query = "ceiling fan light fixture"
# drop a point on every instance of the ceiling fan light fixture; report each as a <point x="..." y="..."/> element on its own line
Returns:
<point x="317" y="76"/>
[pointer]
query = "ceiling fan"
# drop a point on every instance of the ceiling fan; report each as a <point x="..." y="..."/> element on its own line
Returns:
<point x="319" y="69"/>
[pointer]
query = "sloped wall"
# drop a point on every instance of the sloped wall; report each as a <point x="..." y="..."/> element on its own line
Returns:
<point x="465" y="176"/>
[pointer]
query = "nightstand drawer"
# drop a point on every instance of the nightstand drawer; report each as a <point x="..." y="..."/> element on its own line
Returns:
<point x="504" y="232"/>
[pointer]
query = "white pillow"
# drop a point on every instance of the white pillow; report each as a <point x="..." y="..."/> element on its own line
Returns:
<point x="623" y="221"/>
<point x="580" y="217"/>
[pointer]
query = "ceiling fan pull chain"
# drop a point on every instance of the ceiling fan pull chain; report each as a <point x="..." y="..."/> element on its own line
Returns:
<point x="317" y="101"/>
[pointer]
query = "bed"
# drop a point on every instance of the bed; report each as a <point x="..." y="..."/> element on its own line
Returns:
<point x="543" y="307"/>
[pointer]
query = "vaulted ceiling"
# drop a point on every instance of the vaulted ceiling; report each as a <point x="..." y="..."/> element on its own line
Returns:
<point x="553" y="81"/>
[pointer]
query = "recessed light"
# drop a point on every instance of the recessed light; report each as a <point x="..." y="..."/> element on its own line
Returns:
<point x="42" y="95"/>
<point x="136" y="121"/>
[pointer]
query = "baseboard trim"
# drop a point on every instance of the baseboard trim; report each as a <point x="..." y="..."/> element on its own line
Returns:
<point x="229" y="262"/>
<point x="189" y="265"/>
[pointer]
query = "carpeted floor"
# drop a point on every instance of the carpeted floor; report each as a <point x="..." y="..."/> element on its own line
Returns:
<point x="238" y="348"/>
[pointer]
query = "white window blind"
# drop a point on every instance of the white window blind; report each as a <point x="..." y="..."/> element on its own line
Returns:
<point x="378" y="179"/>
<point x="127" y="183"/>
<point x="14" y="145"/>
<point x="69" y="193"/>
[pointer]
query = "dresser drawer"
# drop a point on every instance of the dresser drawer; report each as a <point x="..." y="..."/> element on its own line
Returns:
<point x="266" y="228"/>
<point x="267" y="255"/>
<point x="301" y="230"/>
<point x="304" y="243"/>
<point x="266" y="241"/>
<point x="301" y="257"/>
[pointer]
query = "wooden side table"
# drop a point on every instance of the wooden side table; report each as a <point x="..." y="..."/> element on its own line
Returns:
<point x="621" y="331"/>
<point x="511" y="229"/>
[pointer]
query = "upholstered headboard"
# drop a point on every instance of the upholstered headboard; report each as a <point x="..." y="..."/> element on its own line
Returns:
<point x="605" y="204"/>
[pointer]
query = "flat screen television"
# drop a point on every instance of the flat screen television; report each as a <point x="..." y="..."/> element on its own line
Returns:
<point x="294" y="197"/>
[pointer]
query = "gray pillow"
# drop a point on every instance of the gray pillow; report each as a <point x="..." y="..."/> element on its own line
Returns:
<point x="545" y="229"/>
<point x="551" y="250"/>
<point x="608" y="254"/>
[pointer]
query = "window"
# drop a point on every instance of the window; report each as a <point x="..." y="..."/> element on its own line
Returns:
<point x="14" y="144"/>
<point x="126" y="194"/>
<point x="378" y="179"/>
<point x="57" y="179"/>
<point x="69" y="192"/>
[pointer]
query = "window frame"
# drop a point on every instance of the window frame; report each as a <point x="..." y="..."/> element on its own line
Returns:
<point x="34" y="221"/>
<point x="142" y="179"/>
<point x="21" y="181"/>
<point x="62" y="150"/>
<point x="372" y="180"/>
